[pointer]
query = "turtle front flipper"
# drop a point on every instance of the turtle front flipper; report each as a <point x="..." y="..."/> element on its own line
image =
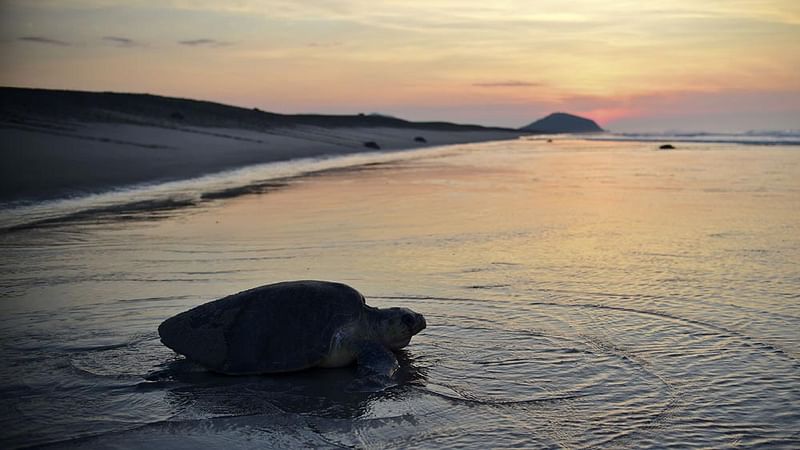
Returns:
<point x="377" y="367"/>
<point x="375" y="359"/>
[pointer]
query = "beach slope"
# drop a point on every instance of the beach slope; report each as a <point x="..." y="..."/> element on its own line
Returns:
<point x="56" y="144"/>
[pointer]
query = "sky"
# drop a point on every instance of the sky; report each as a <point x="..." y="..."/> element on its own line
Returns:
<point x="640" y="65"/>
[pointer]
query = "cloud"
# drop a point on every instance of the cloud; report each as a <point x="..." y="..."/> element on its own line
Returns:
<point x="121" y="41"/>
<point x="43" y="40"/>
<point x="204" y="42"/>
<point x="511" y="83"/>
<point x="324" y="45"/>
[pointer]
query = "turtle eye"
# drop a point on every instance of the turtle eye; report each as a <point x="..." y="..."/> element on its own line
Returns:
<point x="408" y="320"/>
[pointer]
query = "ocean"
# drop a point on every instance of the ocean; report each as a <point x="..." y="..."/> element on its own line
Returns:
<point x="579" y="293"/>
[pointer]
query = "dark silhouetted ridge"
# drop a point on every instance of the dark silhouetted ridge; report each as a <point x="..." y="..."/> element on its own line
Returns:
<point x="563" y="123"/>
<point x="158" y="110"/>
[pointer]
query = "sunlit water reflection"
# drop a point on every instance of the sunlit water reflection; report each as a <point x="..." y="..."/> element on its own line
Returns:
<point x="578" y="295"/>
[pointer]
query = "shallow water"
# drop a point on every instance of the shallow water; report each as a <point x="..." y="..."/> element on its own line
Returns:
<point x="578" y="295"/>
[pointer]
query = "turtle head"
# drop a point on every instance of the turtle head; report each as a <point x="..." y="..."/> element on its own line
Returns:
<point x="396" y="326"/>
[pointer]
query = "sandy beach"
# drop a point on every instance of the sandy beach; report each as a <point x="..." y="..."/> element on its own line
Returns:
<point x="578" y="294"/>
<point x="55" y="144"/>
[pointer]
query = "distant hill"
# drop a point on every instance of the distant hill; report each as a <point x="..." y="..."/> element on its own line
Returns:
<point x="169" y="111"/>
<point x="563" y="123"/>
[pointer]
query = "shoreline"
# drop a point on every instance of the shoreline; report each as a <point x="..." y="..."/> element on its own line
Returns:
<point x="549" y="263"/>
<point x="38" y="163"/>
<point x="61" y="144"/>
<point x="159" y="199"/>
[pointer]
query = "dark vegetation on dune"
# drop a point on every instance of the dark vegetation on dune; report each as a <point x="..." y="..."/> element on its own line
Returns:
<point x="153" y="109"/>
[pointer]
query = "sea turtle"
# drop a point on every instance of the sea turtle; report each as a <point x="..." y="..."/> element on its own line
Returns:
<point x="291" y="326"/>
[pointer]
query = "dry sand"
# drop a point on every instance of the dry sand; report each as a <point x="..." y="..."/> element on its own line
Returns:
<point x="63" y="143"/>
<point x="51" y="158"/>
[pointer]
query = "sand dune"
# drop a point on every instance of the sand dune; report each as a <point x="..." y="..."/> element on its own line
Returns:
<point x="74" y="146"/>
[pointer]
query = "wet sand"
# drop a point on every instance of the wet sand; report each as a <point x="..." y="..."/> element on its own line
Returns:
<point x="578" y="295"/>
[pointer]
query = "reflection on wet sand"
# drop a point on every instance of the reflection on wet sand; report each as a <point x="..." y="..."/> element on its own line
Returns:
<point x="577" y="295"/>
